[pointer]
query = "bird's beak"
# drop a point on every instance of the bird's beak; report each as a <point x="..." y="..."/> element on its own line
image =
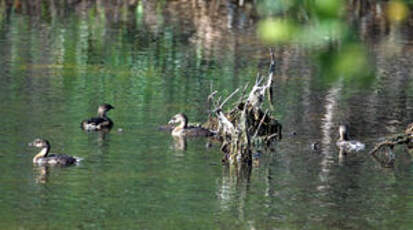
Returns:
<point x="171" y="122"/>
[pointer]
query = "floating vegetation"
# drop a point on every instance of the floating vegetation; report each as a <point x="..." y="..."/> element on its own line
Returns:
<point x="246" y="127"/>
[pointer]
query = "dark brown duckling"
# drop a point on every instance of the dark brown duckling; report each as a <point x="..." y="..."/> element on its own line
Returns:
<point x="44" y="158"/>
<point x="182" y="129"/>
<point x="100" y="122"/>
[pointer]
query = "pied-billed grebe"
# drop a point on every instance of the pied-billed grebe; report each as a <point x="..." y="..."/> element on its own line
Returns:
<point x="101" y="121"/>
<point x="183" y="129"/>
<point x="348" y="145"/>
<point x="43" y="157"/>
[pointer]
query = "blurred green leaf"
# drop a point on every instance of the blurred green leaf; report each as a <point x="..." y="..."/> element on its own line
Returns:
<point x="328" y="8"/>
<point x="276" y="30"/>
<point x="322" y="33"/>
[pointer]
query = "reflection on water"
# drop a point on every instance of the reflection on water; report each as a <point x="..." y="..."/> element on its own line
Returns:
<point x="154" y="59"/>
<point x="328" y="135"/>
<point x="234" y="189"/>
<point x="180" y="143"/>
<point x="41" y="174"/>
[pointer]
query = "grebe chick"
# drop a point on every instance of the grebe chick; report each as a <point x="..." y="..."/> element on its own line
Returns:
<point x="182" y="129"/>
<point x="43" y="157"/>
<point x="348" y="145"/>
<point x="101" y="121"/>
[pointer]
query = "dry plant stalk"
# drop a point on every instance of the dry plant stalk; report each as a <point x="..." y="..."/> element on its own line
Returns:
<point x="245" y="127"/>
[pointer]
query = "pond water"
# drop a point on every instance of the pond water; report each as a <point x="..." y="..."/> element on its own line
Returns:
<point x="55" y="71"/>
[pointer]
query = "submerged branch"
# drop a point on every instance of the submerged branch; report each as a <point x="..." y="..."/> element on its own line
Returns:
<point x="388" y="145"/>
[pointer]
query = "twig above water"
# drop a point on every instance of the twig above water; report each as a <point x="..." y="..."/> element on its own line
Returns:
<point x="259" y="125"/>
<point x="229" y="97"/>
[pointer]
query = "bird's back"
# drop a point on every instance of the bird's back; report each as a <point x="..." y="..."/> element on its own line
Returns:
<point x="96" y="123"/>
<point x="197" y="132"/>
<point x="57" y="159"/>
<point x="351" y="146"/>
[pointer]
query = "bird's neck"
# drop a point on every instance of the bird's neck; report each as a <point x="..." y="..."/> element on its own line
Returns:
<point x="344" y="136"/>
<point x="102" y="114"/>
<point x="42" y="153"/>
<point x="183" y="125"/>
<point x="177" y="131"/>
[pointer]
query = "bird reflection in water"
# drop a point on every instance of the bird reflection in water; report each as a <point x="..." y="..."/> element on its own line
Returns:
<point x="180" y="143"/>
<point x="41" y="174"/>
